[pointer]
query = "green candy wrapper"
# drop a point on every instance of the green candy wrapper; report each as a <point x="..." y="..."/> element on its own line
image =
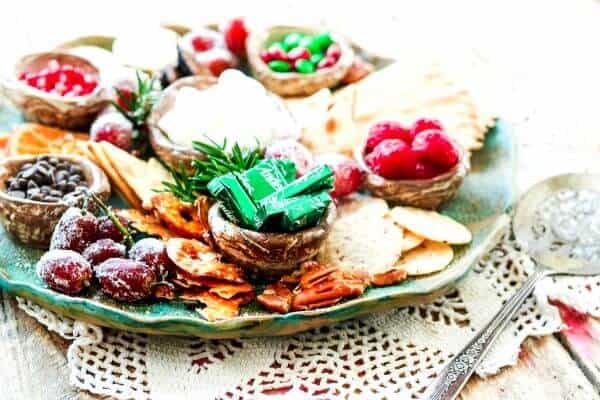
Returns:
<point x="236" y="204"/>
<point x="303" y="211"/>
<point x="266" y="177"/>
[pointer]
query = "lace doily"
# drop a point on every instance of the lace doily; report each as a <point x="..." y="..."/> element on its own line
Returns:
<point x="395" y="354"/>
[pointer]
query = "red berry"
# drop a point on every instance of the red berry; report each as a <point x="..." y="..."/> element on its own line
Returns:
<point x="202" y="43"/>
<point x="102" y="250"/>
<point x="425" y="171"/>
<point x="113" y="128"/>
<point x="65" y="271"/>
<point x="299" y="53"/>
<point x="393" y="159"/>
<point x="435" y="148"/>
<point x="425" y="124"/>
<point x="386" y="130"/>
<point x="74" y="231"/>
<point x="334" y="51"/>
<point x="151" y="252"/>
<point x="235" y="33"/>
<point x="61" y="80"/>
<point x="291" y="150"/>
<point x="125" y="280"/>
<point x="125" y="97"/>
<point x="326" y="62"/>
<point x="108" y="230"/>
<point x="347" y="173"/>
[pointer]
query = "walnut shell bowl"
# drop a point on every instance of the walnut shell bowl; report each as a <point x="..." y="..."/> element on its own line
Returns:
<point x="74" y="113"/>
<point x="265" y="254"/>
<point x="32" y="222"/>
<point x="174" y="154"/>
<point x="294" y="83"/>
<point x="422" y="193"/>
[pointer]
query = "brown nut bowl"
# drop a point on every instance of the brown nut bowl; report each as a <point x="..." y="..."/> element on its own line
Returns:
<point x="174" y="154"/>
<point x="32" y="222"/>
<point x="75" y="113"/>
<point x="265" y="254"/>
<point x="294" y="83"/>
<point x="423" y="193"/>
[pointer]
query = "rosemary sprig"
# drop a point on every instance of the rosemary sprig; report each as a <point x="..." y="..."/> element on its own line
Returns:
<point x="188" y="183"/>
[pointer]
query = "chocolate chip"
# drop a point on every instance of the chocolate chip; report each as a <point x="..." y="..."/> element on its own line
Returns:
<point x="75" y="178"/>
<point x="70" y="186"/>
<point x="61" y="176"/>
<point x="22" y="183"/>
<point x="75" y="169"/>
<point x="56" y="193"/>
<point x="17" y="194"/>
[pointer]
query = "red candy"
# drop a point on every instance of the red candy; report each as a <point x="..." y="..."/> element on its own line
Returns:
<point x="393" y="159"/>
<point x="387" y="130"/>
<point x="273" y="53"/>
<point x="425" y="124"/>
<point x="235" y="33"/>
<point x="334" y="51"/>
<point x="299" y="53"/>
<point x="113" y="128"/>
<point x="62" y="80"/>
<point x="434" y="148"/>
<point x="326" y="62"/>
<point x="65" y="271"/>
<point x="347" y="174"/>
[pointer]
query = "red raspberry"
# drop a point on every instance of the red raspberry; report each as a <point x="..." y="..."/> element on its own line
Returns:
<point x="387" y="130"/>
<point x="425" y="171"/>
<point x="202" y="43"/>
<point x="435" y="148"/>
<point x="291" y="150"/>
<point x="393" y="159"/>
<point x="65" y="271"/>
<point x="299" y="53"/>
<point x="425" y="124"/>
<point x="235" y="33"/>
<point x="102" y="250"/>
<point x="113" y="128"/>
<point x="347" y="173"/>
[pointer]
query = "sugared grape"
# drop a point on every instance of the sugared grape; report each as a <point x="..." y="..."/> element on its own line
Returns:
<point x="152" y="252"/>
<point x="125" y="280"/>
<point x="65" y="271"/>
<point x="108" y="230"/>
<point x="75" y="231"/>
<point x="102" y="250"/>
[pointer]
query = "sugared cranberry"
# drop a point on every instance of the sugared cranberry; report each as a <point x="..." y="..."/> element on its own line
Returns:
<point x="299" y="53"/>
<point x="393" y="159"/>
<point x="334" y="51"/>
<point x="235" y="33"/>
<point x="347" y="173"/>
<point x="151" y="252"/>
<point x="74" y="231"/>
<point x="124" y="95"/>
<point x="125" y="280"/>
<point x="326" y="62"/>
<point x="108" y="230"/>
<point x="113" y="128"/>
<point x="387" y="130"/>
<point x="65" y="271"/>
<point x="435" y="148"/>
<point x="291" y="150"/>
<point x="425" y="124"/>
<point x="103" y="249"/>
<point x="202" y="43"/>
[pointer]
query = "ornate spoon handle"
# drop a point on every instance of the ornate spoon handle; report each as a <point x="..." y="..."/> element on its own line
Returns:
<point x="452" y="378"/>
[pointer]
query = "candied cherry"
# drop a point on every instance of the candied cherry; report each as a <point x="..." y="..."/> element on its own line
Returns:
<point x="75" y="231"/>
<point x="108" y="230"/>
<point x="151" y="252"/>
<point x="291" y="150"/>
<point x="103" y="249"/>
<point x="113" y="128"/>
<point x="387" y="130"/>
<point x="425" y="124"/>
<point x="65" y="271"/>
<point x="435" y="148"/>
<point x="348" y="176"/>
<point x="236" y="32"/>
<point x="393" y="159"/>
<point x="125" y="280"/>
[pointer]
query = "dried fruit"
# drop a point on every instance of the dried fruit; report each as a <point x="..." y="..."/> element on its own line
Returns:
<point x="125" y="280"/>
<point x="102" y="250"/>
<point x="180" y="217"/>
<point x="387" y="130"/>
<point x="151" y="252"/>
<point x="435" y="148"/>
<point x="393" y="159"/>
<point x="75" y="231"/>
<point x="347" y="173"/>
<point x="65" y="271"/>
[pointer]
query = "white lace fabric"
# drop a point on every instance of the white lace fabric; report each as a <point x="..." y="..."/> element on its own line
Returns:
<point x="395" y="354"/>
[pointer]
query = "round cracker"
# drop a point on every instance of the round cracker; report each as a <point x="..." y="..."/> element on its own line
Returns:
<point x="431" y="225"/>
<point x="411" y="240"/>
<point x="429" y="257"/>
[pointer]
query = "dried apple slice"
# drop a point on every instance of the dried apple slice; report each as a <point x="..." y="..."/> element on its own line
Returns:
<point x="182" y="218"/>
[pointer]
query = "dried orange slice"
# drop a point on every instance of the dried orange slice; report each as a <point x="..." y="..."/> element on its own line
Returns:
<point x="41" y="139"/>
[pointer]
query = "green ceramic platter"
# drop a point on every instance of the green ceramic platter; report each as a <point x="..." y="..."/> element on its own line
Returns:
<point x="481" y="204"/>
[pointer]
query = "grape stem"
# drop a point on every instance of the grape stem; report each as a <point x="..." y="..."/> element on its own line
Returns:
<point x="113" y="218"/>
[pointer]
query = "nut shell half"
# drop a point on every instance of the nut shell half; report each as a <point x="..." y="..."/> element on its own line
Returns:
<point x="76" y="113"/>
<point x="266" y="254"/>
<point x="429" y="194"/>
<point x="294" y="83"/>
<point x="32" y="222"/>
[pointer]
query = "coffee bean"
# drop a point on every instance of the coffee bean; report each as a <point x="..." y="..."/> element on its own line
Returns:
<point x="52" y="199"/>
<point x="70" y="186"/>
<point x="75" y="178"/>
<point x="22" y="183"/>
<point x="17" y="194"/>
<point x="61" y="176"/>
<point x="75" y="169"/>
<point x="29" y="173"/>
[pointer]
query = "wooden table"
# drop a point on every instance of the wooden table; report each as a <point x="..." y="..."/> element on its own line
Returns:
<point x="548" y="75"/>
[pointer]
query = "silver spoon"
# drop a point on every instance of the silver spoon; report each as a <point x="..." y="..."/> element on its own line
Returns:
<point x="557" y="222"/>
